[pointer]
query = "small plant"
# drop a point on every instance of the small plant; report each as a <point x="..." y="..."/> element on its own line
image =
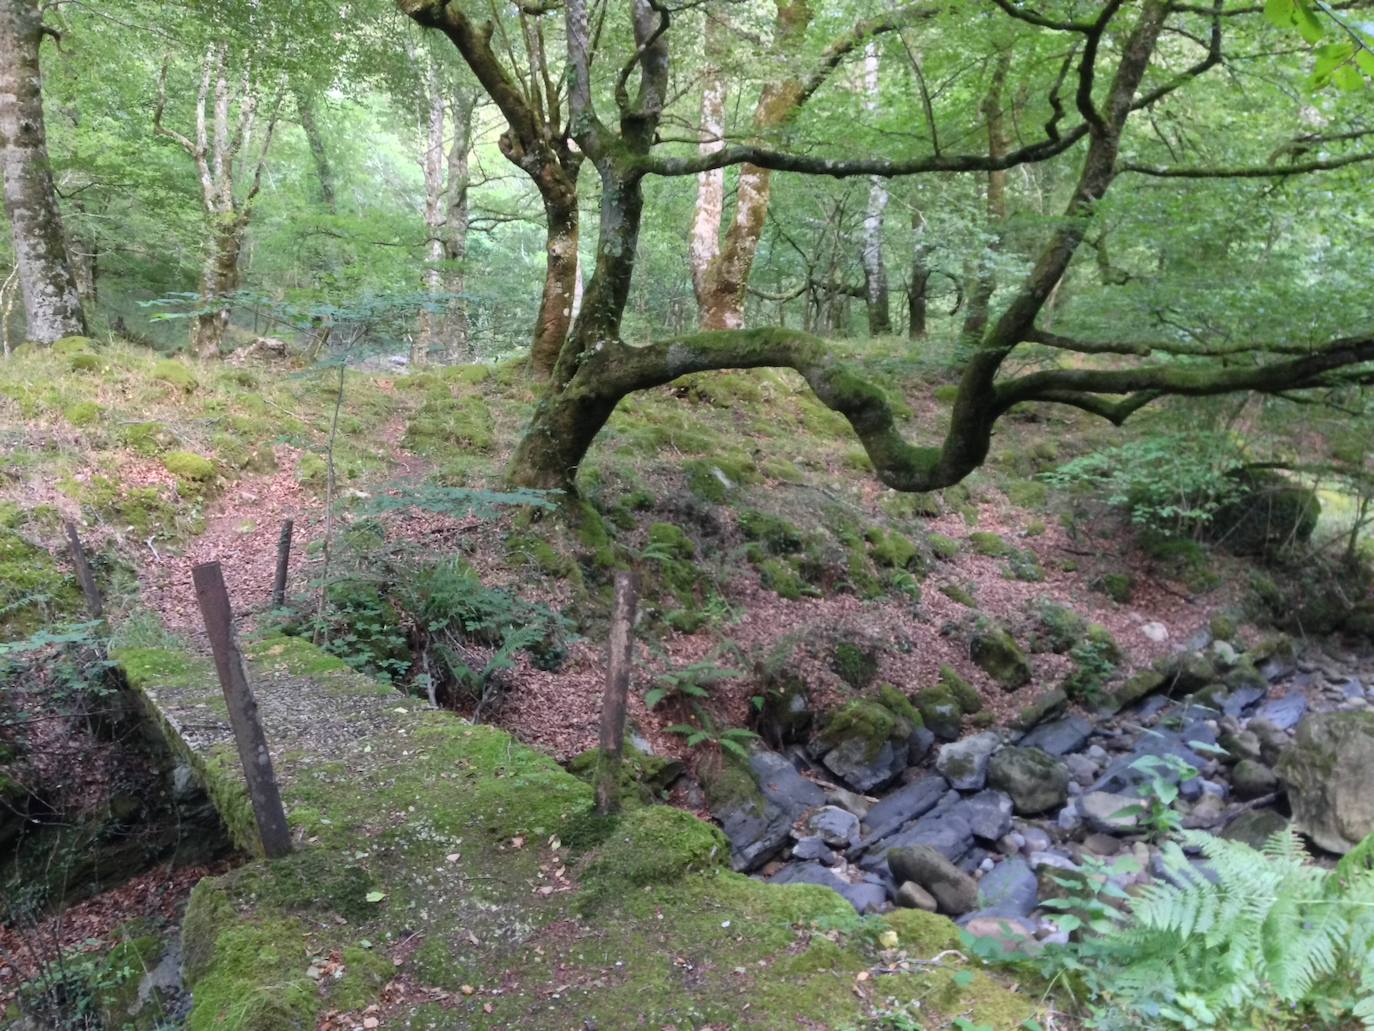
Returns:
<point x="694" y="682"/>
<point x="1159" y="792"/>
<point x="1093" y="666"/>
<point x="734" y="740"/>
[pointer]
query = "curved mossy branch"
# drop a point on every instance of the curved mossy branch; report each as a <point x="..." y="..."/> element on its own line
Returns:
<point x="1192" y="380"/>
<point x="621" y="369"/>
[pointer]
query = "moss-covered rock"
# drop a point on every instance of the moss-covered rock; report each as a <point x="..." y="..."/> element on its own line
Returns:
<point x="940" y="711"/>
<point x="776" y="534"/>
<point x="964" y="693"/>
<point x="997" y="654"/>
<point x="34" y="588"/>
<point x="989" y="544"/>
<point x="960" y="594"/>
<point x="855" y="662"/>
<point x="782" y="578"/>
<point x="892" y="550"/>
<point x="1058" y="628"/>
<point x="189" y="467"/>
<point x="72" y="345"/>
<point x="944" y="548"/>
<point x="654" y="844"/>
<point x="1117" y="586"/>
<point x="85" y="361"/>
<point x="642" y="775"/>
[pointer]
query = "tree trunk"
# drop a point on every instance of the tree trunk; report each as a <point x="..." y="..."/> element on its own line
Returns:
<point x="457" y="328"/>
<point x="560" y="274"/>
<point x="723" y="306"/>
<point x="710" y="203"/>
<point x="220" y="279"/>
<point x="324" y="171"/>
<point x="916" y="302"/>
<point x="875" y="272"/>
<point x="52" y="304"/>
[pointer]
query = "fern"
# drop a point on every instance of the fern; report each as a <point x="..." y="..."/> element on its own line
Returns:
<point x="1257" y="938"/>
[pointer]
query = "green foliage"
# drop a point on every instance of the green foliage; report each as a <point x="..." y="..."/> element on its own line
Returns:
<point x="1264" y="938"/>
<point x="1094" y="660"/>
<point x="1159" y="791"/>
<point x="1345" y="63"/>
<point x="1165" y="482"/>
<point x="707" y="733"/>
<point x="693" y="681"/>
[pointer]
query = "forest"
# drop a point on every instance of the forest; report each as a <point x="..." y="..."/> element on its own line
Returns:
<point x="705" y="514"/>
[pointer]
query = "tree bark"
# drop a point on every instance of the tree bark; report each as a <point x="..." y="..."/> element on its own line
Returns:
<point x="52" y="303"/>
<point x="324" y="171"/>
<point x="710" y="202"/>
<point x="916" y="293"/>
<point x="219" y="280"/>
<point x="458" y="329"/>
<point x="432" y="164"/>
<point x="875" y="272"/>
<point x="984" y="281"/>
<point x="560" y="271"/>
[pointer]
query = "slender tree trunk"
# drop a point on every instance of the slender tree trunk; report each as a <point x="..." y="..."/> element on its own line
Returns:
<point x="324" y="171"/>
<point x="432" y="162"/>
<point x="984" y="281"/>
<point x="875" y="272"/>
<point x="916" y="302"/>
<point x="52" y="303"/>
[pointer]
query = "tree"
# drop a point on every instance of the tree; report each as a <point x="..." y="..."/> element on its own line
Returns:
<point x="52" y="304"/>
<point x="596" y="368"/>
<point x="221" y="145"/>
<point x="537" y="140"/>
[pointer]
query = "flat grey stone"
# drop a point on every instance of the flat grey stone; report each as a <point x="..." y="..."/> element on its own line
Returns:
<point x="903" y="805"/>
<point x="964" y="763"/>
<point x="1060" y="737"/>
<point x="1009" y="889"/>
<point x="837" y="827"/>
<point x="1241" y="699"/>
<point x="1284" y="713"/>
<point x="988" y="814"/>
<point x="851" y="761"/>
<point x="865" y="896"/>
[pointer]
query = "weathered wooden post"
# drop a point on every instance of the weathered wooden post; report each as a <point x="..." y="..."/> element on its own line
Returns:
<point x="94" y="604"/>
<point x="243" y="710"/>
<point x="618" y="662"/>
<point x="283" y="559"/>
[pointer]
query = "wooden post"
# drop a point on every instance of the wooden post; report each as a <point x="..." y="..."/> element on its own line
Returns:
<point x="618" y="661"/>
<point x="94" y="605"/>
<point x="283" y="559"/>
<point x="243" y="710"/>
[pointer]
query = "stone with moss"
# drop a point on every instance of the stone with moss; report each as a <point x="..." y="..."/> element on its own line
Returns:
<point x="175" y="374"/>
<point x="1058" y="628"/>
<point x="1222" y="626"/>
<point x="855" y="662"/>
<point x="892" y="550"/>
<point x="716" y="479"/>
<point x="85" y="361"/>
<point x="782" y="578"/>
<point x="72" y="345"/>
<point x="777" y="535"/>
<point x="1117" y="586"/>
<point x="960" y="594"/>
<point x="1027" y="493"/>
<point x="997" y="654"/>
<point x="940" y="711"/>
<point x="34" y="589"/>
<point x="642" y="775"/>
<point x="1045" y="706"/>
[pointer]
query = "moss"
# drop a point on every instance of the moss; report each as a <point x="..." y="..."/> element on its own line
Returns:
<point x="175" y="374"/>
<point x="72" y="345"/>
<point x="854" y="663"/>
<point x="782" y="578"/>
<point x="715" y="479"/>
<point x="1222" y="626"/>
<point x="1024" y="565"/>
<point x="892" y="550"/>
<point x="945" y="393"/>
<point x="654" y="844"/>
<point x="442" y="424"/>
<point x="255" y="979"/>
<point x="1027" y="494"/>
<point x="312" y="469"/>
<point x="954" y="592"/>
<point x="940" y="711"/>
<point x="988" y="544"/>
<point x="189" y="467"/>
<point x="34" y="589"/>
<point x="1058" y="628"/>
<point x="147" y="438"/>
<point x="83" y="413"/>
<point x="777" y="535"/>
<point x="85" y="361"/>
<point x="996" y="652"/>
<point x="944" y="548"/>
<point x="538" y="552"/>
<point x="641" y="775"/>
<point x="670" y="540"/>
<point x="868" y="720"/>
<point x="1117" y="586"/>
<point x="961" y="691"/>
<point x="1035" y="528"/>
<point x="899" y="704"/>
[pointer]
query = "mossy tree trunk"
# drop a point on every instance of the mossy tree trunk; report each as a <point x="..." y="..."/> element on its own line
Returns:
<point x="52" y="303"/>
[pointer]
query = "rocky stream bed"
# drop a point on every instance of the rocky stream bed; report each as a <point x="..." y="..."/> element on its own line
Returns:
<point x="979" y="827"/>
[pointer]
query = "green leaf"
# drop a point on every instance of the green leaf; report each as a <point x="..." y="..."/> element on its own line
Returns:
<point x="375" y="896"/>
<point x="1309" y="25"/>
<point x="1347" y="78"/>
<point x="1365" y="60"/>
<point x="1279" y="13"/>
<point x="654" y="696"/>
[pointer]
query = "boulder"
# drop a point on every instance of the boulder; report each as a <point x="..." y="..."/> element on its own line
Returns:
<point x="864" y="767"/>
<point x="988" y="814"/>
<point x="1329" y="774"/>
<point x="945" y="830"/>
<point x="813" y="848"/>
<point x="1044" y="706"/>
<point x="1268" y="512"/>
<point x="997" y="654"/>
<point x="1273" y="742"/>
<point x="1283" y="713"/>
<point x="1255" y="827"/>
<point x="940" y="711"/>
<point x="1008" y="889"/>
<point x="1251" y="779"/>
<point x="954" y="891"/>
<point x="964" y="763"/>
<point x="1143" y="684"/>
<point x="1060" y="737"/>
<point x="1110" y="813"/>
<point x="1034" y="780"/>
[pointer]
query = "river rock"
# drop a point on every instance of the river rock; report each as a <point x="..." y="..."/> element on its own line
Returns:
<point x="1273" y="742"/>
<point x="1143" y="684"/>
<point x="1240" y="744"/>
<point x="864" y="767"/>
<point x="912" y="896"/>
<point x="1082" y="769"/>
<point x="757" y="826"/>
<point x="1011" y="933"/>
<point x="1103" y="811"/>
<point x="1033" y="779"/>
<point x="1284" y="712"/>
<point x="1255" y="827"/>
<point x="1251" y="779"/>
<point x="945" y="830"/>
<point x="988" y="814"/>
<point x="1060" y="737"/>
<point x="813" y="848"/>
<point x="865" y="896"/>
<point x="1242" y="698"/>
<point x="964" y="763"/>
<point x="1329" y="773"/>
<point x="997" y="654"/>
<point x="1008" y="889"/>
<point x="903" y="805"/>
<point x="1044" y="706"/>
<point x="955" y="892"/>
<point x="837" y="827"/>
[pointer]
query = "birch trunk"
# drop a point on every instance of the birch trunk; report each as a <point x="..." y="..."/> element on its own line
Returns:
<point x="457" y="326"/>
<point x="432" y="163"/>
<point x="52" y="303"/>
<point x="984" y="280"/>
<point x="875" y="272"/>
<point x="710" y="203"/>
